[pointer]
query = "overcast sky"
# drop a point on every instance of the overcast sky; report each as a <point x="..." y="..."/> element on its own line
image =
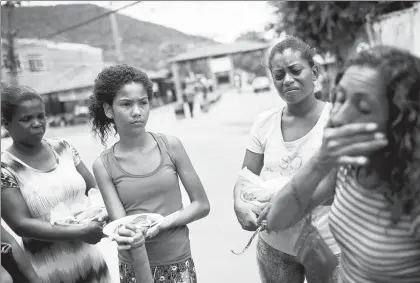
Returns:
<point x="220" y="20"/>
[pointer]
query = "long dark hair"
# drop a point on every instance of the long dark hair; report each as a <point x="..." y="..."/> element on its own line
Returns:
<point x="400" y="161"/>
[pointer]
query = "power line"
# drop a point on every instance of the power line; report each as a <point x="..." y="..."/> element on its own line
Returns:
<point x="89" y="21"/>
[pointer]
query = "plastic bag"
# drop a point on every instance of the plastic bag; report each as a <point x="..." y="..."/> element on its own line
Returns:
<point x="79" y="211"/>
<point x="258" y="192"/>
<point x="255" y="190"/>
<point x="314" y="254"/>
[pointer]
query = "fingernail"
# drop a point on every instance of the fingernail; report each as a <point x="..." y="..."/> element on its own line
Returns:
<point x="362" y="160"/>
<point x="332" y="143"/>
<point x="133" y="234"/>
<point x="379" y="136"/>
<point x="371" y="126"/>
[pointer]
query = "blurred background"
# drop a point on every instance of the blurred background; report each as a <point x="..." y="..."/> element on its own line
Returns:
<point x="216" y="50"/>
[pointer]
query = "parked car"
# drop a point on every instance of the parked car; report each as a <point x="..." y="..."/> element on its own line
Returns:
<point x="261" y="84"/>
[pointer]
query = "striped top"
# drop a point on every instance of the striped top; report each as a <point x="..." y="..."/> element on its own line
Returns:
<point x="372" y="249"/>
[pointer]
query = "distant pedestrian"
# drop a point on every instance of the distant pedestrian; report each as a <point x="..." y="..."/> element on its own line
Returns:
<point x="190" y="93"/>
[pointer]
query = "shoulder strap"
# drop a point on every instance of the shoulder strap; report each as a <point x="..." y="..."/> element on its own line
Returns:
<point x="165" y="144"/>
<point x="105" y="161"/>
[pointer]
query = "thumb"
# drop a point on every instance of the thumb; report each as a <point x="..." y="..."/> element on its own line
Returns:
<point x="253" y="218"/>
<point x="264" y="214"/>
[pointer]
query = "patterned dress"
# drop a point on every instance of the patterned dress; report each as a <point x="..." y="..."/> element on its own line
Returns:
<point x="58" y="261"/>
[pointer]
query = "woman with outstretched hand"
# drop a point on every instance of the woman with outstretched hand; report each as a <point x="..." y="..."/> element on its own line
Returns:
<point x="369" y="164"/>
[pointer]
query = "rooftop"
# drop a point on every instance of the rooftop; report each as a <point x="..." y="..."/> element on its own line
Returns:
<point x="53" y="44"/>
<point x="72" y="78"/>
<point x="220" y="50"/>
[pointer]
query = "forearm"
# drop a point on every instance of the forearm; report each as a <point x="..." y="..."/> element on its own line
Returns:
<point x="25" y="266"/>
<point x="237" y="190"/>
<point x="140" y="261"/>
<point x="295" y="200"/>
<point x="43" y="230"/>
<point x="190" y="213"/>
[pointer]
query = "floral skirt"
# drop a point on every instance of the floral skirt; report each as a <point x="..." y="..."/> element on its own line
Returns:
<point x="182" y="272"/>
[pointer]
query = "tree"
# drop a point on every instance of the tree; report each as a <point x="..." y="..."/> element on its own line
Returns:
<point x="251" y="36"/>
<point x="250" y="61"/>
<point x="330" y="26"/>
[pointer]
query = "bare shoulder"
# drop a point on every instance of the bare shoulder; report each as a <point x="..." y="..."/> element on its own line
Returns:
<point x="98" y="164"/>
<point x="174" y="142"/>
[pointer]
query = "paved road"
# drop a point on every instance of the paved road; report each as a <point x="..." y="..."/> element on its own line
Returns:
<point x="215" y="142"/>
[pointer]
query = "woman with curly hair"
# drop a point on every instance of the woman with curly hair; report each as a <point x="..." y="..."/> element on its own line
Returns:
<point x="369" y="163"/>
<point x="140" y="174"/>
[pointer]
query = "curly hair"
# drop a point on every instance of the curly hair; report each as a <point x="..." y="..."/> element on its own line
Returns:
<point x="107" y="84"/>
<point x="296" y="44"/>
<point x="12" y="97"/>
<point x="400" y="161"/>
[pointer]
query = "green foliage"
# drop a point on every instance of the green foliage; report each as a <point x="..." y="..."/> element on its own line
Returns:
<point x="329" y="25"/>
<point x="142" y="42"/>
<point x="251" y="61"/>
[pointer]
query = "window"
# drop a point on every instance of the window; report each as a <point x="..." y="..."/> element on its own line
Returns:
<point x="36" y="63"/>
<point x="8" y="65"/>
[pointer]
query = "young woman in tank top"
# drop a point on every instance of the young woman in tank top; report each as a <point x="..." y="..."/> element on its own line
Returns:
<point x="139" y="174"/>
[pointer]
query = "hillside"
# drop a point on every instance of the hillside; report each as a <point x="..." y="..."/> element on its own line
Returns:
<point x="144" y="44"/>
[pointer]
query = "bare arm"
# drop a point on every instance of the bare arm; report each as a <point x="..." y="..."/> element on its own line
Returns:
<point x="246" y="213"/>
<point x="5" y="276"/>
<point x="199" y="206"/>
<point x="87" y="176"/>
<point x="116" y="210"/>
<point x="310" y="187"/>
<point x="21" y="259"/>
<point x="81" y="168"/>
<point x="254" y="162"/>
<point x="16" y="214"/>
<point x="109" y="194"/>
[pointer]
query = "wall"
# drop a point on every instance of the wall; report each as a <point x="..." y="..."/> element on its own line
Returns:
<point x="57" y="57"/>
<point x="400" y="29"/>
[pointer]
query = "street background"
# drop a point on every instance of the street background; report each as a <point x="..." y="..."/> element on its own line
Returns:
<point x="215" y="142"/>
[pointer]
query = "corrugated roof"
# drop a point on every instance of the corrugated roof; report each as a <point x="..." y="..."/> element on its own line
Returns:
<point x="219" y="50"/>
<point x="72" y="78"/>
<point x="56" y="45"/>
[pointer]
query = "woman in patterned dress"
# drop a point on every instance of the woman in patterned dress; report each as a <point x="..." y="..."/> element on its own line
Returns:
<point x="36" y="175"/>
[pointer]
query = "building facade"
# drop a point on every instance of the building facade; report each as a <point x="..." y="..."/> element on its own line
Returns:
<point x="63" y="73"/>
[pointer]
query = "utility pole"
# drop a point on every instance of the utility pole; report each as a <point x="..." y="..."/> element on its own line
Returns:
<point x="116" y="36"/>
<point x="11" y="34"/>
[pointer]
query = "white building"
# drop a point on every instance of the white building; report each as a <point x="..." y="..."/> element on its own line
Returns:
<point x="63" y="73"/>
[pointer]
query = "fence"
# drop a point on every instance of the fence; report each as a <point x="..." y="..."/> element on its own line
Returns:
<point x="400" y="29"/>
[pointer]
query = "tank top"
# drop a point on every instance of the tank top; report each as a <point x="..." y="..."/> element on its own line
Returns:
<point x="154" y="192"/>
